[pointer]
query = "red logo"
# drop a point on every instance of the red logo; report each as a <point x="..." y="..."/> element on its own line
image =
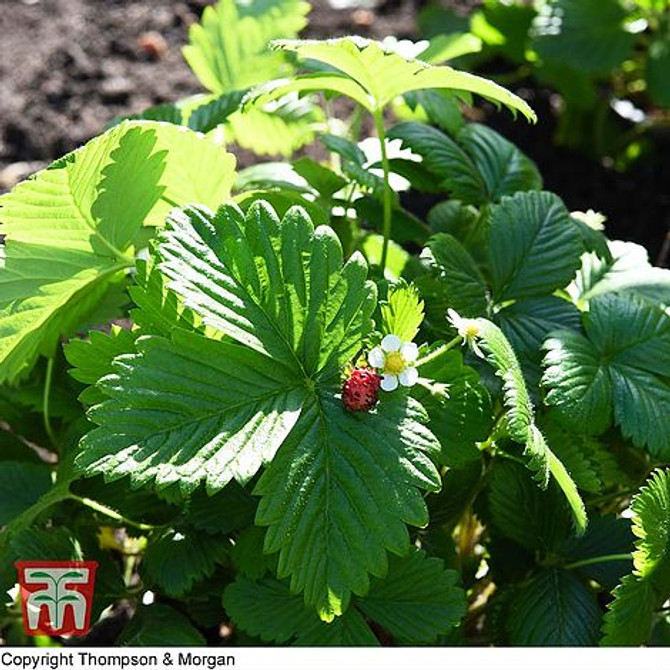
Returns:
<point x="56" y="596"/>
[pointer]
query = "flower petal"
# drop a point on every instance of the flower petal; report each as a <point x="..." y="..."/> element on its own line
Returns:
<point x="391" y="343"/>
<point x="409" y="376"/>
<point x="409" y="352"/>
<point x="454" y="318"/>
<point x="377" y="358"/>
<point x="389" y="382"/>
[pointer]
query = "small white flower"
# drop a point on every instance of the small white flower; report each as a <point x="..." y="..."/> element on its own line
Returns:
<point x="395" y="359"/>
<point x="468" y="329"/>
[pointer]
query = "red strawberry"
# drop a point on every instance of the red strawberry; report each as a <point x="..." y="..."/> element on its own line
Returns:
<point x="359" y="392"/>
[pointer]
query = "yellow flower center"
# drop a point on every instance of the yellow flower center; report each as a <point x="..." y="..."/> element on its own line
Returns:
<point x="471" y="330"/>
<point x="395" y="363"/>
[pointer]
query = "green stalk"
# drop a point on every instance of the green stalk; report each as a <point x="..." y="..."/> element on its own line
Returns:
<point x="109" y="512"/>
<point x="378" y="115"/>
<point x="48" y="380"/>
<point x="439" y="351"/>
<point x="607" y="558"/>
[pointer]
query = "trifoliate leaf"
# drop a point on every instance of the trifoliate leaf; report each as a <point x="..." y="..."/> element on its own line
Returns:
<point x="533" y="248"/>
<point x="554" y="609"/>
<point x="68" y="232"/>
<point x="284" y="318"/>
<point x="631" y="615"/>
<point x="402" y="312"/>
<point x="174" y="561"/>
<point x="617" y="371"/>
<point x="228" y="50"/>
<point x="373" y="76"/>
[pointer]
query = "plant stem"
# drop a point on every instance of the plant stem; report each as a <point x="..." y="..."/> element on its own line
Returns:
<point x="108" y="511"/>
<point x="386" y="229"/>
<point x="48" y="380"/>
<point x="439" y="351"/>
<point x="607" y="558"/>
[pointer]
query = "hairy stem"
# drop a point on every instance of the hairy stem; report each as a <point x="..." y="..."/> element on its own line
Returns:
<point x="607" y="558"/>
<point x="386" y="229"/>
<point x="439" y="351"/>
<point x="46" y="398"/>
<point x="108" y="511"/>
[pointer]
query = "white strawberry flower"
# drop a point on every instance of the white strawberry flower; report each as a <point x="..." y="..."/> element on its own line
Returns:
<point x="395" y="359"/>
<point x="468" y="329"/>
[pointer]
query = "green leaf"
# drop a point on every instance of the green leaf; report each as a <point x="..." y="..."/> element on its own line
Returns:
<point x="533" y="248"/>
<point x="372" y="76"/>
<point x="556" y="610"/>
<point x="193" y="408"/>
<point x="526" y="324"/>
<point x="267" y="609"/>
<point x="68" y="233"/>
<point x="630" y="617"/>
<point x="533" y="518"/>
<point x="279" y="128"/>
<point x="231" y="509"/>
<point x="92" y="359"/>
<point x="588" y="35"/>
<point x="248" y="557"/>
<point x="174" y="562"/>
<point x="617" y="371"/>
<point x="323" y="179"/>
<point x="21" y="485"/>
<point x="339" y="495"/>
<point x="479" y="167"/>
<point x="453" y="280"/>
<point x="503" y="167"/>
<point x="160" y="626"/>
<point x="418" y="600"/>
<point x="222" y="412"/>
<point x="402" y="312"/>
<point x="228" y="50"/>
<point x="462" y="414"/>
<point x="520" y="419"/>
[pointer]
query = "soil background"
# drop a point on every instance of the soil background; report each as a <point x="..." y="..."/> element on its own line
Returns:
<point x="67" y="67"/>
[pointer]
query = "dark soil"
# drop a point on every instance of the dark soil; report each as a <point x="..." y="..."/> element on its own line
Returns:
<point x="67" y="67"/>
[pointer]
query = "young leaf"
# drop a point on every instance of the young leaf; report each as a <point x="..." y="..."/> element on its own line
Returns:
<point x="533" y="248"/>
<point x="402" y="313"/>
<point x="556" y="610"/>
<point x="614" y="372"/>
<point x="228" y="49"/>
<point x="68" y="232"/>
<point x="521" y="420"/>
<point x="630" y="617"/>
<point x="373" y="76"/>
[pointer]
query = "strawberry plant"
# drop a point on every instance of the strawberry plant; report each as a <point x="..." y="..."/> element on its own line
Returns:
<point x="280" y="400"/>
